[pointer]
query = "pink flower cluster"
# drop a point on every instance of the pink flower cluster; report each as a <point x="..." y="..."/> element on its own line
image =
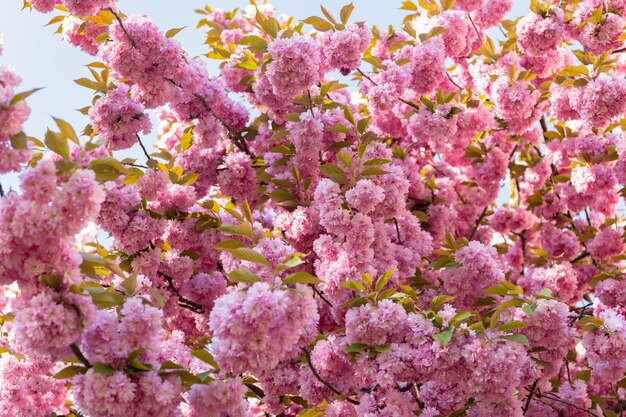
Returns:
<point x="12" y="117"/>
<point x="118" y="119"/>
<point x="296" y="65"/>
<point x="39" y="225"/>
<point x="253" y="330"/>
<point x="27" y="389"/>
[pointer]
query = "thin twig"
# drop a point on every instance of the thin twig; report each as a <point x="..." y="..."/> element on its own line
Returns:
<point x="145" y="152"/>
<point x="557" y="399"/>
<point x="453" y="82"/>
<point x="530" y="396"/>
<point x="235" y="136"/>
<point x="136" y="165"/>
<point x="316" y="291"/>
<point x="80" y="355"/>
<point x="480" y="38"/>
<point x="119" y="20"/>
<point x="569" y="376"/>
<point x="319" y="378"/>
<point x="395" y="221"/>
<point x="182" y="301"/>
<point x="310" y="103"/>
<point x="364" y="75"/>
<point x="1" y="191"/>
<point x="480" y="219"/>
<point x="544" y="128"/>
<point x="407" y="102"/>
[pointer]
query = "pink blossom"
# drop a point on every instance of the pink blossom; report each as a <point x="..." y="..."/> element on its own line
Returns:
<point x="27" y="389"/>
<point x="219" y="398"/>
<point x="537" y="35"/>
<point x="118" y="119"/>
<point x="342" y="49"/>
<point x="295" y="65"/>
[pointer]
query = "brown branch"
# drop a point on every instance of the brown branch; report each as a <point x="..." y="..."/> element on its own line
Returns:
<point x="395" y="221"/>
<point x="319" y="378"/>
<point x="1" y="191"/>
<point x="557" y="399"/>
<point x="544" y="128"/>
<point x="145" y="152"/>
<point x="182" y="301"/>
<point x="453" y="82"/>
<point x="407" y="102"/>
<point x="480" y="38"/>
<point x="119" y="20"/>
<point x="310" y="103"/>
<point x="235" y="136"/>
<point x="530" y="396"/>
<point x="480" y="219"/>
<point x="80" y="355"/>
<point x="135" y="165"/>
<point x="320" y="295"/>
<point x="583" y="255"/>
<point x="364" y="75"/>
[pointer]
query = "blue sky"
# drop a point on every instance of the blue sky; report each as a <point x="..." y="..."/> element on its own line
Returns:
<point x="44" y="60"/>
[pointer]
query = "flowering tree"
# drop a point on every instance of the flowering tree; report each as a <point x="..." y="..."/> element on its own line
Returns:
<point x="316" y="231"/>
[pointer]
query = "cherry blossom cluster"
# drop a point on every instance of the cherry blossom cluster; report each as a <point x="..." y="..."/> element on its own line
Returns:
<point x="350" y="221"/>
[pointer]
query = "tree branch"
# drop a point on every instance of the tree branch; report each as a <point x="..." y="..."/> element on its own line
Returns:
<point x="145" y="152"/>
<point x="182" y="301"/>
<point x="235" y="136"/>
<point x="530" y="396"/>
<point x="80" y="355"/>
<point x="119" y="20"/>
<point x="480" y="219"/>
<point x="319" y="378"/>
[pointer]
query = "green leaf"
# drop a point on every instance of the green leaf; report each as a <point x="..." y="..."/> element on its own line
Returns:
<point x="66" y="129"/>
<point x="206" y="357"/>
<point x="460" y="316"/>
<point x="69" y="372"/>
<point x="249" y="255"/>
<point x="345" y="13"/>
<point x="518" y="338"/>
<point x="355" y="348"/>
<point x="228" y="244"/>
<point x="242" y="274"/>
<point x="312" y="412"/>
<point x="291" y="262"/>
<point x="335" y="173"/>
<point x="23" y="95"/>
<point x="444" y="337"/>
<point x="107" y="169"/>
<point x="19" y="141"/>
<point x="52" y="281"/>
<point x="352" y="285"/>
<point x="105" y="299"/>
<point x="319" y="24"/>
<point x="440" y="299"/>
<point x="57" y="144"/>
<point x="243" y="229"/>
<point x="103" y="369"/>
<point x="130" y="284"/>
<point x="135" y="354"/>
<point x="383" y="279"/>
<point x="376" y="161"/>
<point x="373" y="171"/>
<point x="301" y="278"/>
<point x="173" y="32"/>
<point x="338" y="127"/>
<point x="512" y="325"/>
